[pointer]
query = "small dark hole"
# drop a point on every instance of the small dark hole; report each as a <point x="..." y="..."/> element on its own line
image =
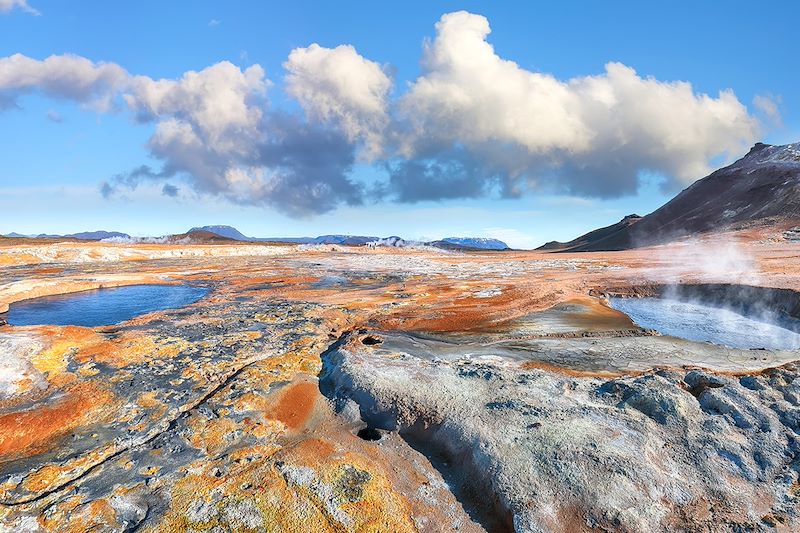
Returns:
<point x="702" y="387"/>
<point x="369" y="340"/>
<point x="369" y="433"/>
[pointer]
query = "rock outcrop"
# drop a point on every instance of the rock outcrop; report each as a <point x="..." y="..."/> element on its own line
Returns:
<point x="544" y="451"/>
<point x="762" y="189"/>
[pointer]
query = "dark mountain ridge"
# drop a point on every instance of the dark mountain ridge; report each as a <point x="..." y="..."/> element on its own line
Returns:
<point x="598" y="235"/>
<point x="223" y="231"/>
<point x="762" y="189"/>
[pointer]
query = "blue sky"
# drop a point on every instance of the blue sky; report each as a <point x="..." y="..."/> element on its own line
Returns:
<point x="501" y="164"/>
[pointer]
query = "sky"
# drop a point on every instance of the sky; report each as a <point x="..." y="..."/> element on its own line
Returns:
<point x="527" y="122"/>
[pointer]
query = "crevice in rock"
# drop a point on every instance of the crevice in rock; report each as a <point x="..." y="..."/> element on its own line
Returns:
<point x="162" y="428"/>
<point x="468" y="482"/>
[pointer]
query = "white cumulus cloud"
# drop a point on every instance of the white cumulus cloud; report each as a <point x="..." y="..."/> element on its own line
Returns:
<point x="470" y="94"/>
<point x="472" y="124"/>
<point x="214" y="128"/>
<point x="61" y="76"/>
<point x="339" y="85"/>
<point x="219" y="107"/>
<point x="473" y="112"/>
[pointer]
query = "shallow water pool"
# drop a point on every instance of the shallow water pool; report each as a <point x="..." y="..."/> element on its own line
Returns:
<point x="698" y="322"/>
<point x="102" y="307"/>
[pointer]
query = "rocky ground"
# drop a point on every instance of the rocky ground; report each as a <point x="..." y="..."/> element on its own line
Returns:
<point x="344" y="389"/>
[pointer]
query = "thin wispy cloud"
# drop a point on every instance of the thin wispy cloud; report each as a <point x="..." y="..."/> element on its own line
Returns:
<point x="6" y="6"/>
<point x="54" y="116"/>
<point x="770" y="106"/>
<point x="567" y="201"/>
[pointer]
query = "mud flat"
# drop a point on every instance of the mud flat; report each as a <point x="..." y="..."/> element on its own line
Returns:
<point x="345" y="389"/>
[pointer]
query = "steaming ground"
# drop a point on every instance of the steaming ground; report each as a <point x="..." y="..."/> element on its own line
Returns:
<point x="703" y="323"/>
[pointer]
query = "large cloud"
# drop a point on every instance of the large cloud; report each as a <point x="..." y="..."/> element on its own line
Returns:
<point x="214" y="127"/>
<point x="340" y="86"/>
<point x="209" y="124"/>
<point x="472" y="124"/>
<point x="591" y="135"/>
<point x="222" y="105"/>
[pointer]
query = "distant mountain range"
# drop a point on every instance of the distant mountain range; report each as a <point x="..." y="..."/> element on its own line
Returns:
<point x="83" y="236"/>
<point x="762" y="189"/>
<point x="236" y="235"/>
<point x="476" y="243"/>
<point x="219" y="233"/>
<point x="465" y="243"/>
<point x="347" y="240"/>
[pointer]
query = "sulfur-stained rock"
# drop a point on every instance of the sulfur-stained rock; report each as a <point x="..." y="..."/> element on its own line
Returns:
<point x="346" y="389"/>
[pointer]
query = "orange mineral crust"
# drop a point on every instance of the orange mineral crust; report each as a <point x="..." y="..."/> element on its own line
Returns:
<point x="338" y="388"/>
<point x="294" y="404"/>
<point x="35" y="430"/>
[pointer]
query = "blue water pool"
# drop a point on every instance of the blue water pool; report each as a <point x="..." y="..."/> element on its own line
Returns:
<point x="698" y="322"/>
<point x="102" y="307"/>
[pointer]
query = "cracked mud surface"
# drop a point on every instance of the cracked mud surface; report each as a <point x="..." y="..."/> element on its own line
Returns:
<point x="340" y="389"/>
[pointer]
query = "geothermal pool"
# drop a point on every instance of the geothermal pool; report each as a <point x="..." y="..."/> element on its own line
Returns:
<point x="102" y="307"/>
<point x="697" y="322"/>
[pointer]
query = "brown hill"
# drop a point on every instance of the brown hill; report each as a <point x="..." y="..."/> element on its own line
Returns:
<point x="200" y="236"/>
<point x="593" y="236"/>
<point x="759" y="190"/>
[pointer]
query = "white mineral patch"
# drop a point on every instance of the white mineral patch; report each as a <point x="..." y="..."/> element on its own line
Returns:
<point x="17" y="374"/>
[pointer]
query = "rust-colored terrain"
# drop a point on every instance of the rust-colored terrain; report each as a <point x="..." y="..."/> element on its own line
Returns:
<point x="350" y="389"/>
